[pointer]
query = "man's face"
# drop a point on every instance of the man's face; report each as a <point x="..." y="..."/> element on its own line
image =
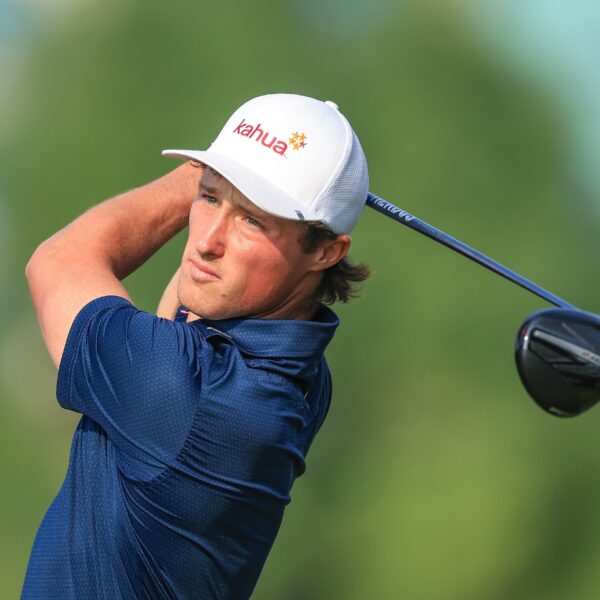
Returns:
<point x="241" y="261"/>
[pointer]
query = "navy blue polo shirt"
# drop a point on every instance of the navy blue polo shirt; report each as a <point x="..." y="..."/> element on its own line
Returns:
<point x="181" y="466"/>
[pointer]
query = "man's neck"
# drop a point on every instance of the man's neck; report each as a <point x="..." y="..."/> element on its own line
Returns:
<point x="307" y="313"/>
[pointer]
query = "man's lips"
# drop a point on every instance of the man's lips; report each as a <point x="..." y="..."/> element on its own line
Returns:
<point x="201" y="274"/>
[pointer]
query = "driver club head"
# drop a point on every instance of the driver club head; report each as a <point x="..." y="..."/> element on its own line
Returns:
<point x="558" y="358"/>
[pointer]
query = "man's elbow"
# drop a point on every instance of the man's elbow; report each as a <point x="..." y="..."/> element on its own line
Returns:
<point x="33" y="264"/>
<point x="35" y="261"/>
<point x="41" y="264"/>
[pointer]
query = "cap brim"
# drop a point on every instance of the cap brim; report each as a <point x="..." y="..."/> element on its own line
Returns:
<point x="259" y="191"/>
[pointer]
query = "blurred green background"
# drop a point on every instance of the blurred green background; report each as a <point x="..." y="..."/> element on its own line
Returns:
<point x="434" y="476"/>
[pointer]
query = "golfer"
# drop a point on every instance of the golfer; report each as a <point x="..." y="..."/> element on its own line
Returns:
<point x="196" y="421"/>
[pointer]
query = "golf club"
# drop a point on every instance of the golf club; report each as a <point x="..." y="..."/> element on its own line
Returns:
<point x="557" y="350"/>
<point x="388" y="209"/>
<point x="558" y="359"/>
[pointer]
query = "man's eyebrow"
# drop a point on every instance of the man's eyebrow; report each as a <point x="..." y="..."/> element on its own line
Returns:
<point x="255" y="211"/>
<point x="207" y="188"/>
<point x="246" y="205"/>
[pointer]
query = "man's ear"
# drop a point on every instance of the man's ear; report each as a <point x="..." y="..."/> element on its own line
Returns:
<point x="331" y="252"/>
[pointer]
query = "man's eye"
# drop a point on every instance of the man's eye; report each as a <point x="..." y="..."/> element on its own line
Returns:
<point x="252" y="221"/>
<point x="210" y="199"/>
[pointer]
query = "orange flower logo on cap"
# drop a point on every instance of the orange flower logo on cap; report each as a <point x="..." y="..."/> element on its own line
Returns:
<point x="297" y="140"/>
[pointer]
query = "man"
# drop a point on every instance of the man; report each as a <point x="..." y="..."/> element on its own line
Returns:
<point x="195" y="426"/>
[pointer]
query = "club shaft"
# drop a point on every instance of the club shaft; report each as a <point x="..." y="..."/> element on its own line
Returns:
<point x="388" y="209"/>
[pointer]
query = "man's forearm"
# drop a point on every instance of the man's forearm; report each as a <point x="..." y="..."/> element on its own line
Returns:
<point x="123" y="232"/>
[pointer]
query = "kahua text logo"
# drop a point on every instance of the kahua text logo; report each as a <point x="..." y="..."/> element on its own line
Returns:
<point x="258" y="134"/>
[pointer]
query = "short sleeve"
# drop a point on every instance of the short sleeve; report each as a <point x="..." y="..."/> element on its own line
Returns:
<point x="135" y="374"/>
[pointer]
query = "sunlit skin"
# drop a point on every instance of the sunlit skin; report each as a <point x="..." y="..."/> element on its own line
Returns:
<point x="240" y="261"/>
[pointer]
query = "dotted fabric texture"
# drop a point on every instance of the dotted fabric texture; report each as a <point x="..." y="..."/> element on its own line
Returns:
<point x="341" y="201"/>
<point x="181" y="466"/>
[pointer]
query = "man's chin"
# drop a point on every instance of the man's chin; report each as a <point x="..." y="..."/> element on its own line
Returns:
<point x="199" y="309"/>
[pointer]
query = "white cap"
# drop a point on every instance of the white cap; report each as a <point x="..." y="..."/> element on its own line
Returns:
<point x="294" y="157"/>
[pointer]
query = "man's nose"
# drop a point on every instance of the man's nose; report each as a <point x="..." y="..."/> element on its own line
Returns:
<point x="211" y="242"/>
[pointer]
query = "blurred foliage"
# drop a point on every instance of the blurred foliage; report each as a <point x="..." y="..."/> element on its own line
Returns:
<point x="434" y="476"/>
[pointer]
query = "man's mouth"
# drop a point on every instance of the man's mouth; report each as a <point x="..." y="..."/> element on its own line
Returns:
<point x="200" y="273"/>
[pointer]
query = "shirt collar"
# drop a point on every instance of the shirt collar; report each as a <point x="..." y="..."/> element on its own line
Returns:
<point x="277" y="338"/>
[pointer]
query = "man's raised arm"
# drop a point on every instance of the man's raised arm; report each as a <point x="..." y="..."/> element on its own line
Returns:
<point x="169" y="302"/>
<point x="90" y="256"/>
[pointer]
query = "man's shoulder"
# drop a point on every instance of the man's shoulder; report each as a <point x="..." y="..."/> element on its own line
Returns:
<point x="113" y="335"/>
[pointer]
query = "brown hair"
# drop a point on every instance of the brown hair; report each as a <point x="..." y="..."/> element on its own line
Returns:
<point x="340" y="282"/>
